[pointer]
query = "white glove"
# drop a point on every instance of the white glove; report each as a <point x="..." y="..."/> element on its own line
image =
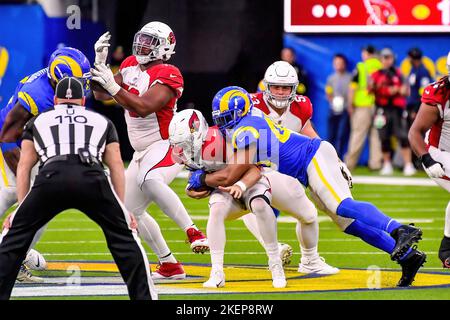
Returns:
<point x="433" y="168"/>
<point x="101" y="48"/>
<point x="346" y="173"/>
<point x="104" y="76"/>
<point x="435" y="171"/>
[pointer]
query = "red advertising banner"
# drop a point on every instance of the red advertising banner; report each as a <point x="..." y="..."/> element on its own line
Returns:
<point x="305" y="16"/>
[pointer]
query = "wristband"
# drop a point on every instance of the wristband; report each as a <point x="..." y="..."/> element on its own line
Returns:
<point x="427" y="160"/>
<point x="241" y="185"/>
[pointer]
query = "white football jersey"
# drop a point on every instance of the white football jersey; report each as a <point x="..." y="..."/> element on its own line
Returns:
<point x="143" y="132"/>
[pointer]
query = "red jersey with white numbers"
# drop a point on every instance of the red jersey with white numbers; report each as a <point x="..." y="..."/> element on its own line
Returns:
<point x="142" y="132"/>
<point x="294" y="117"/>
<point x="438" y="94"/>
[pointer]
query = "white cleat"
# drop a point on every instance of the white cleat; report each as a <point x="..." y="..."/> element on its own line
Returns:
<point x="387" y="169"/>
<point x="318" y="266"/>
<point x="216" y="279"/>
<point x="278" y="277"/>
<point x="25" y="276"/>
<point x="285" y="253"/>
<point x="409" y="170"/>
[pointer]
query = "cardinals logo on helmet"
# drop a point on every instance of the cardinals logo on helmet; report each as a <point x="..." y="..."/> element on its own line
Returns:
<point x="171" y="38"/>
<point x="194" y="122"/>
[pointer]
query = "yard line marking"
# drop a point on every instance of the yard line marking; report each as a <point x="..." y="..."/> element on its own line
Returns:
<point x="49" y="254"/>
<point x="69" y="242"/>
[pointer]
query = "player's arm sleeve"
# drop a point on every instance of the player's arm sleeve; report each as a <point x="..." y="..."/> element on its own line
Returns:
<point x="111" y="133"/>
<point x="28" y="130"/>
<point x="243" y="137"/>
<point x="171" y="77"/>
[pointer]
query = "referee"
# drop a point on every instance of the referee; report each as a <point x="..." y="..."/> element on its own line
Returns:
<point x="70" y="142"/>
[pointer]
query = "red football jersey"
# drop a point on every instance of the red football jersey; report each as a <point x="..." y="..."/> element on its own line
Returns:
<point x="295" y="116"/>
<point x="145" y="131"/>
<point x="438" y="94"/>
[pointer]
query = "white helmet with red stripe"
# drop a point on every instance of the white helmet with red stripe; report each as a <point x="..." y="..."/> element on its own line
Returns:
<point x="187" y="132"/>
<point x="280" y="73"/>
<point x="155" y="41"/>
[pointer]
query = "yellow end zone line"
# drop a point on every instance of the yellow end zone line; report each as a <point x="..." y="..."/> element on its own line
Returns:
<point x="248" y="279"/>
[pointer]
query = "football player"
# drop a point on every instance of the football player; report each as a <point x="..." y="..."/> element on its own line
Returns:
<point x="198" y="146"/>
<point x="280" y="102"/>
<point x="433" y="118"/>
<point x="33" y="95"/>
<point x="258" y="139"/>
<point x="148" y="89"/>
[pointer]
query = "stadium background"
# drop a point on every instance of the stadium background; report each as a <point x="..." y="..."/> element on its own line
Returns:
<point x="222" y="43"/>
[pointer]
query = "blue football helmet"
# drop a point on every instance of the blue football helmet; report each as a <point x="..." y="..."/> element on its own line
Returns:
<point x="70" y="62"/>
<point x="229" y="106"/>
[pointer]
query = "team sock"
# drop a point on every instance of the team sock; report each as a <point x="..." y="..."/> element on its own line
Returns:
<point x="373" y="236"/>
<point x="368" y="214"/>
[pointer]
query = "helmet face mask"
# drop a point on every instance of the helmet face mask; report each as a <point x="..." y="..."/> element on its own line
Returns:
<point x="279" y="101"/>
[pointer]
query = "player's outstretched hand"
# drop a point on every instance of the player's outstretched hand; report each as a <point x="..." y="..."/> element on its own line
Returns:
<point x="105" y="77"/>
<point x="101" y="48"/>
<point x="235" y="191"/>
<point x="7" y="222"/>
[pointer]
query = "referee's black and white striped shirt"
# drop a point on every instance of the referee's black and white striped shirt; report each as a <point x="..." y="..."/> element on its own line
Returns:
<point x="66" y="129"/>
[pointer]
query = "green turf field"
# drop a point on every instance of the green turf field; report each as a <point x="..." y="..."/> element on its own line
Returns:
<point x="72" y="237"/>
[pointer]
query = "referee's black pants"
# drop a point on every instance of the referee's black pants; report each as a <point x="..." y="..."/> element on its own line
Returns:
<point x="69" y="184"/>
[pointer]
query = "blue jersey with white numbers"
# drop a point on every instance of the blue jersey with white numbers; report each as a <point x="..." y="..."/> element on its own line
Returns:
<point x="287" y="151"/>
<point x="34" y="93"/>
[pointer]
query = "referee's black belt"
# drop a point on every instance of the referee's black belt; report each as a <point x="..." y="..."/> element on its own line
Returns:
<point x="72" y="158"/>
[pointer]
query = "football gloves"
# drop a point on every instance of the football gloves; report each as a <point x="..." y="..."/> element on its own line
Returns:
<point x="101" y="48"/>
<point x="433" y="168"/>
<point x="104" y="76"/>
<point x="196" y="180"/>
<point x="346" y="173"/>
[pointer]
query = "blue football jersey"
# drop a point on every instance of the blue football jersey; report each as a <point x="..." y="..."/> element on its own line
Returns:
<point x="34" y="93"/>
<point x="286" y="151"/>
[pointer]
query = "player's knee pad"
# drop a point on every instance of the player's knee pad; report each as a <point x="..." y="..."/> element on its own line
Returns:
<point x="259" y="203"/>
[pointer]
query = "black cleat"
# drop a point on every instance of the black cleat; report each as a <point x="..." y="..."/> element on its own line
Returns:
<point x="405" y="236"/>
<point x="410" y="265"/>
<point x="444" y="252"/>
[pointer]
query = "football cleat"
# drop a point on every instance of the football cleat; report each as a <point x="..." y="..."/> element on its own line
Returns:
<point x="198" y="241"/>
<point x="25" y="276"/>
<point x="169" y="271"/>
<point x="410" y="265"/>
<point x="444" y="252"/>
<point x="285" y="253"/>
<point x="405" y="236"/>
<point x="35" y="261"/>
<point x="278" y="277"/>
<point x="318" y="266"/>
<point x="216" y="279"/>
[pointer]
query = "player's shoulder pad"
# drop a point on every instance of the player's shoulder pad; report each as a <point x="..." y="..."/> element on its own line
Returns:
<point x="302" y="108"/>
<point x="128" y="62"/>
<point x="436" y="93"/>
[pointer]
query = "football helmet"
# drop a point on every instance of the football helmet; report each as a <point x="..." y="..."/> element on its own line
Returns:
<point x="187" y="132"/>
<point x="229" y="105"/>
<point x="280" y="73"/>
<point x="155" y="41"/>
<point x="69" y="62"/>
